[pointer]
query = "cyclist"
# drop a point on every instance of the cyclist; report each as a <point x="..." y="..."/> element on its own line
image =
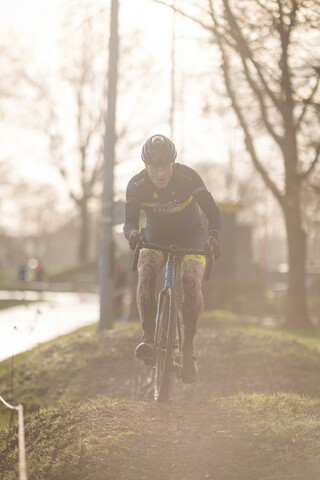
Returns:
<point x="170" y="195"/>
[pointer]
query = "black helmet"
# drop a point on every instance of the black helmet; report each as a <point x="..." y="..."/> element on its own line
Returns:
<point x="158" y="149"/>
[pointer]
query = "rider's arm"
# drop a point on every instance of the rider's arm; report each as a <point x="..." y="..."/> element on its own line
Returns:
<point x="210" y="209"/>
<point x="131" y="212"/>
<point x="207" y="204"/>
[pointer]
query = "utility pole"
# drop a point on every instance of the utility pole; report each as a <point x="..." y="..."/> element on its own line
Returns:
<point x="106" y="256"/>
<point x="173" y="71"/>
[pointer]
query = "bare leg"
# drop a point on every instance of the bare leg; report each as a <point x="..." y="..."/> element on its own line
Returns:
<point x="149" y="265"/>
<point x="192" y="301"/>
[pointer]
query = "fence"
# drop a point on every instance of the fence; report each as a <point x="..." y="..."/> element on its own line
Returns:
<point x="21" y="440"/>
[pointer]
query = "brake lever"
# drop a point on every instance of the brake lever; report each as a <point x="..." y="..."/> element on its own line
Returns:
<point x="135" y="257"/>
<point x="140" y="244"/>
<point x="212" y="255"/>
<point x="210" y="260"/>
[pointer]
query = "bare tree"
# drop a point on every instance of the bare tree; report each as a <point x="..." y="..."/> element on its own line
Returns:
<point x="68" y="105"/>
<point x="33" y="209"/>
<point x="270" y="63"/>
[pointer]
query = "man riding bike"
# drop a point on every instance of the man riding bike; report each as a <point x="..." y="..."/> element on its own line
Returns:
<point x="170" y="195"/>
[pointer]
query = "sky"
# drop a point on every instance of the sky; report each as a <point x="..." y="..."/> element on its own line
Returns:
<point x="196" y="138"/>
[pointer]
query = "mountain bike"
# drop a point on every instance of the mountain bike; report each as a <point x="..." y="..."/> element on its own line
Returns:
<point x="168" y="331"/>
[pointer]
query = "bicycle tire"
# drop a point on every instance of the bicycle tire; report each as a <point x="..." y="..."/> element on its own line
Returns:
<point x="165" y="338"/>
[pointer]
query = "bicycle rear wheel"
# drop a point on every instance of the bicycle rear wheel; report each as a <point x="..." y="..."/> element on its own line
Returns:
<point x="164" y="346"/>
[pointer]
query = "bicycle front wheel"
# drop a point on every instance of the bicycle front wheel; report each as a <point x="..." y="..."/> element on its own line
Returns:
<point x="164" y="346"/>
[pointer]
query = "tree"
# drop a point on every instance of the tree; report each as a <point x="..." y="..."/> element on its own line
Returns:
<point x="68" y="105"/>
<point x="69" y="108"/>
<point x="33" y="209"/>
<point x="270" y="69"/>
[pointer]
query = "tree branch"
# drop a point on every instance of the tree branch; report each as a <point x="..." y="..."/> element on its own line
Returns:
<point x="64" y="175"/>
<point x="263" y="109"/>
<point x="245" y="52"/>
<point x="307" y="102"/>
<point x="293" y="15"/>
<point x="305" y="174"/>
<point x="286" y="81"/>
<point x="248" y="137"/>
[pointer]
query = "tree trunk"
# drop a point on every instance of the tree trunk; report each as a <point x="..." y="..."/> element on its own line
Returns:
<point x="296" y="311"/>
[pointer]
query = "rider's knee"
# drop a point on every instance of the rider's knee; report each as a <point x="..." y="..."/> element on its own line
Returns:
<point x="148" y="268"/>
<point x="149" y="264"/>
<point x="146" y="275"/>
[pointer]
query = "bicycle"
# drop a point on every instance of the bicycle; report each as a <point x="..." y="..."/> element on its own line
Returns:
<point x="168" y="330"/>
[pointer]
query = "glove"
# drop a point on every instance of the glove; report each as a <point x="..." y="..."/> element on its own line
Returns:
<point x="214" y="243"/>
<point x="135" y="238"/>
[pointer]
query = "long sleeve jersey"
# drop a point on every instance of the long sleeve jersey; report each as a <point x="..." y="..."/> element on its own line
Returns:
<point x="174" y="210"/>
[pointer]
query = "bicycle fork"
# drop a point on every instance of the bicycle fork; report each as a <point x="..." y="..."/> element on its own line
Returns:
<point x="161" y="298"/>
<point x="165" y="295"/>
<point x="169" y="281"/>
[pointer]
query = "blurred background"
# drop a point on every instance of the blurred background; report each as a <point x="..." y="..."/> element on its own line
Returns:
<point x="226" y="84"/>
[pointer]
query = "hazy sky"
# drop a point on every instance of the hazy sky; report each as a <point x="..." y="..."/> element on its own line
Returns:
<point x="39" y="19"/>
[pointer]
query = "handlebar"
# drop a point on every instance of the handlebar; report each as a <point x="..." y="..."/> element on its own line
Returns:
<point x="173" y="248"/>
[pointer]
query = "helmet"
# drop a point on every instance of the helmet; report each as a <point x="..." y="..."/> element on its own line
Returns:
<point x="158" y="149"/>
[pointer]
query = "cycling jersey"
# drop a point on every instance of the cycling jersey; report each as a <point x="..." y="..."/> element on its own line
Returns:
<point x="173" y="211"/>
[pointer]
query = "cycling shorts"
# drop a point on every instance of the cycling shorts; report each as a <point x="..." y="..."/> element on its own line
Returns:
<point x="194" y="240"/>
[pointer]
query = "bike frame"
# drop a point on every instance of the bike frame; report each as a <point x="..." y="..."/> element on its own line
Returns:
<point x="171" y="268"/>
<point x="169" y="285"/>
<point x="168" y="357"/>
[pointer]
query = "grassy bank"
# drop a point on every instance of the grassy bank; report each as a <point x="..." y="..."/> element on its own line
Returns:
<point x="253" y="413"/>
<point x="243" y="437"/>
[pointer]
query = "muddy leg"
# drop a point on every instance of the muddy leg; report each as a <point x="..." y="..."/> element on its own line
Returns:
<point x="149" y="265"/>
<point x="192" y="300"/>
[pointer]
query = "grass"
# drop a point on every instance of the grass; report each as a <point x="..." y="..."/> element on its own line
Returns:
<point x="276" y="434"/>
<point x="253" y="414"/>
<point x="81" y="364"/>
<point x="241" y="437"/>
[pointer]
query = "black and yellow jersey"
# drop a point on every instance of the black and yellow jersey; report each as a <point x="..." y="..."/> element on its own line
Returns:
<point x="173" y="211"/>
